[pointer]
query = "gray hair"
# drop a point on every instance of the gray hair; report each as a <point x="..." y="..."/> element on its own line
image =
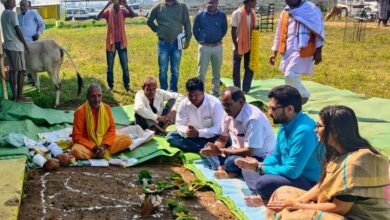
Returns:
<point x="93" y="85"/>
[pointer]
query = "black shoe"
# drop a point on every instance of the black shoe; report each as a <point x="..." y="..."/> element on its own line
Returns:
<point x="31" y="82"/>
<point x="129" y="90"/>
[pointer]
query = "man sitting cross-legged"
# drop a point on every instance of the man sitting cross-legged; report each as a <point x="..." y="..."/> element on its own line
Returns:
<point x="249" y="129"/>
<point x="295" y="160"/>
<point x="150" y="112"/>
<point x="198" y="119"/>
<point x="94" y="128"/>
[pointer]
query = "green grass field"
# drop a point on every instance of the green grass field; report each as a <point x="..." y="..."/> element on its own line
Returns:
<point x="362" y="67"/>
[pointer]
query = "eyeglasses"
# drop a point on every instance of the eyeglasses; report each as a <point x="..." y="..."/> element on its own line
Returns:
<point x="318" y="125"/>
<point x="274" y="108"/>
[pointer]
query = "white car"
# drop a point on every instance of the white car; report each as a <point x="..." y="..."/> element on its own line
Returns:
<point x="79" y="14"/>
<point x="138" y="10"/>
<point x="92" y="12"/>
<point x="352" y="7"/>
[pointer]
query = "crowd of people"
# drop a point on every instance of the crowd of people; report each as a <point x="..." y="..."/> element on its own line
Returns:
<point x="299" y="38"/>
<point x="321" y="169"/>
<point x="309" y="168"/>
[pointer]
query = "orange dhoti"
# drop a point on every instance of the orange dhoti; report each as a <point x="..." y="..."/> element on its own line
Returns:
<point x="121" y="142"/>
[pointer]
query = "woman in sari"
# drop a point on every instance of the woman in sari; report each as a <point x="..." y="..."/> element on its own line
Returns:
<point x="352" y="181"/>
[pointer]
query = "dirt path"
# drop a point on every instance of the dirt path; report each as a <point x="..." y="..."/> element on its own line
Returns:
<point x="106" y="193"/>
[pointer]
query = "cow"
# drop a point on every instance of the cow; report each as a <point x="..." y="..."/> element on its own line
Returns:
<point x="47" y="56"/>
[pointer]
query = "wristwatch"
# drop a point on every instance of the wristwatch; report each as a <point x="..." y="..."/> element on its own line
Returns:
<point x="259" y="168"/>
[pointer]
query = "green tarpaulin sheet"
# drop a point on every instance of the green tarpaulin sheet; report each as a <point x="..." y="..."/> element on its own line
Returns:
<point x="13" y="111"/>
<point x="373" y="113"/>
<point x="29" y="119"/>
<point x="158" y="146"/>
<point x="7" y="153"/>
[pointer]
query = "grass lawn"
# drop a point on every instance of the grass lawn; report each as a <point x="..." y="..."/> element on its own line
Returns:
<point x="360" y="67"/>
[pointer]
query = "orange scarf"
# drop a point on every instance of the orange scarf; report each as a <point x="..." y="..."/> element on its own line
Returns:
<point x="110" y="39"/>
<point x="304" y="52"/>
<point x="244" y="33"/>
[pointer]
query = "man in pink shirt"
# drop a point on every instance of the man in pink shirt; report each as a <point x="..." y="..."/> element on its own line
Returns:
<point x="116" y="39"/>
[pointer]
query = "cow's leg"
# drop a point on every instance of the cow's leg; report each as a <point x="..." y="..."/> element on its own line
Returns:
<point x="35" y="77"/>
<point x="54" y="75"/>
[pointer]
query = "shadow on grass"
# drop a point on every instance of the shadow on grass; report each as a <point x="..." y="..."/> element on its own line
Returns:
<point x="69" y="100"/>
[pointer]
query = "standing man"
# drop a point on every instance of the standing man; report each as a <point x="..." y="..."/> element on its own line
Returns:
<point x="210" y="26"/>
<point x="295" y="160"/>
<point x="151" y="111"/>
<point x="116" y="39"/>
<point x="198" y="119"/>
<point x="249" y="129"/>
<point x="171" y="16"/>
<point x="299" y="38"/>
<point x="31" y="24"/>
<point x="383" y="10"/>
<point x="243" y="22"/>
<point x="14" y="46"/>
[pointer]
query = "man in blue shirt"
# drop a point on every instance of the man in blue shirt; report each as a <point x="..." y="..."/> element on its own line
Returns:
<point x="295" y="160"/>
<point x="31" y="23"/>
<point x="210" y="26"/>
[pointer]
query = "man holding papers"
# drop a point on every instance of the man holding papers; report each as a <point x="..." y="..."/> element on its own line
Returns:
<point x="170" y="16"/>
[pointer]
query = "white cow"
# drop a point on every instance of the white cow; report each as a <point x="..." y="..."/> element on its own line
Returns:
<point x="47" y="56"/>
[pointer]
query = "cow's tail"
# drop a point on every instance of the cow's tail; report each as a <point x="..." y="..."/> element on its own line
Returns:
<point x="79" y="79"/>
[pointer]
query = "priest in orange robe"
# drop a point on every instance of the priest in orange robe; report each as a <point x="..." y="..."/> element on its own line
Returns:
<point x="94" y="129"/>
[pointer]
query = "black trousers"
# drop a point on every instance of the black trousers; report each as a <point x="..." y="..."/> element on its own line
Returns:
<point x="148" y="123"/>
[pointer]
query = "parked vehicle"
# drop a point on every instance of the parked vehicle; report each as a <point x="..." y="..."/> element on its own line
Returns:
<point x="354" y="7"/>
<point x="78" y="14"/>
<point x="138" y="10"/>
<point x="92" y="12"/>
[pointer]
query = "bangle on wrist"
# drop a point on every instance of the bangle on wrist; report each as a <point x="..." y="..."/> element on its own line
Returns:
<point x="223" y="152"/>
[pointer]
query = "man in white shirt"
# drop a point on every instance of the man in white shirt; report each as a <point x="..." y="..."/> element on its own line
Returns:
<point x="150" y="110"/>
<point x="198" y="119"/>
<point x="249" y="129"/>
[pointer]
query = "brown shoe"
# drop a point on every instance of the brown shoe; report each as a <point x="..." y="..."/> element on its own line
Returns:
<point x="24" y="99"/>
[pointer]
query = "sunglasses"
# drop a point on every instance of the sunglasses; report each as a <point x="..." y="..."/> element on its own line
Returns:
<point x="274" y="108"/>
<point x="318" y="125"/>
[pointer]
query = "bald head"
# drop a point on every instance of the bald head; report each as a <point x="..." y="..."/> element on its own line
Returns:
<point x="233" y="99"/>
<point x="94" y="95"/>
<point x="93" y="86"/>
